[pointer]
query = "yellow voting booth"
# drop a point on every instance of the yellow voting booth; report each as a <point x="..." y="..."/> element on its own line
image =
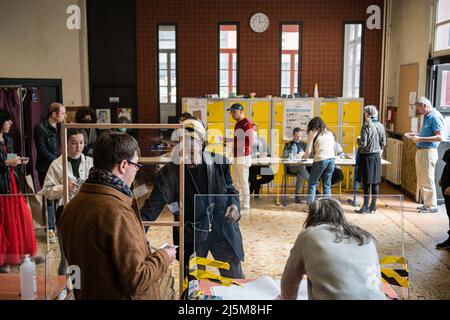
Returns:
<point x="342" y="115"/>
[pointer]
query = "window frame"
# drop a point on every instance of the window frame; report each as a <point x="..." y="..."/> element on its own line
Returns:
<point x="158" y="102"/>
<point x="218" y="86"/>
<point x="300" y="54"/>
<point x="435" y="25"/>
<point x="361" y="64"/>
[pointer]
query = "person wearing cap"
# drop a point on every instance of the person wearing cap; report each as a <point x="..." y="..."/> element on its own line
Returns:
<point x="242" y="142"/>
<point x="211" y="203"/>
<point x="427" y="142"/>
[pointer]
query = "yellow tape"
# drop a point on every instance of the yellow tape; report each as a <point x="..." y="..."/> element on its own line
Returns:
<point x="199" y="261"/>
<point x="392" y="260"/>
<point x="195" y="261"/>
<point x="206" y="275"/>
<point x="392" y="276"/>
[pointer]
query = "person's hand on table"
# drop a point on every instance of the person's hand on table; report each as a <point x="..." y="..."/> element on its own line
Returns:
<point x="301" y="155"/>
<point x="232" y="213"/>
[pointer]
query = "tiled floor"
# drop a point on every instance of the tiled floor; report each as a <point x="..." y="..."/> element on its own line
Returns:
<point x="269" y="232"/>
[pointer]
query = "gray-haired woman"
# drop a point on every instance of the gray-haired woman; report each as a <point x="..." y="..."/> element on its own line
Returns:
<point x="371" y="143"/>
<point x="340" y="259"/>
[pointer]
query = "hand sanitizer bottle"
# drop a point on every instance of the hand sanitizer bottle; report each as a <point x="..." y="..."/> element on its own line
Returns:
<point x="28" y="279"/>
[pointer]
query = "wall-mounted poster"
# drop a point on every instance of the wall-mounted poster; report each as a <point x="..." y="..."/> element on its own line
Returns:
<point x="124" y="112"/>
<point x="197" y="108"/>
<point x="297" y="113"/>
<point x="103" y="116"/>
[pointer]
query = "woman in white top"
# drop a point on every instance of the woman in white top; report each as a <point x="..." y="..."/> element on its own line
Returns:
<point x="78" y="166"/>
<point x="339" y="258"/>
<point x="321" y="143"/>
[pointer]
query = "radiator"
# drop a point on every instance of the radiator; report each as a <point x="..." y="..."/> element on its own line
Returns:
<point x="394" y="154"/>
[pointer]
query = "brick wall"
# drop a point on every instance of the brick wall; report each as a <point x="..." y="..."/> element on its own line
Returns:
<point x="259" y="53"/>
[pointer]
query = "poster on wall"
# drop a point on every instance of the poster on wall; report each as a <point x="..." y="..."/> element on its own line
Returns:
<point x="297" y="113"/>
<point x="124" y="112"/>
<point x="197" y="108"/>
<point x="103" y="115"/>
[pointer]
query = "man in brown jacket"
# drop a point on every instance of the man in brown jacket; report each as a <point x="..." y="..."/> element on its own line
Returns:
<point x="102" y="232"/>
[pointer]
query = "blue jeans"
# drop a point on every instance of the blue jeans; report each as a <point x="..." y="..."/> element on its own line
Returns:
<point x="302" y="173"/>
<point x="321" y="169"/>
<point x="50" y="205"/>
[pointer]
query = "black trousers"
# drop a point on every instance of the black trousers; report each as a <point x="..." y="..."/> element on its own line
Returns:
<point x="220" y="250"/>
<point x="255" y="183"/>
<point x="447" y="207"/>
<point x="367" y="193"/>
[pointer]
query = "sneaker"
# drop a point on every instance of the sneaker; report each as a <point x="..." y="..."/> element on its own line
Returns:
<point x="363" y="210"/>
<point x="51" y="236"/>
<point x="373" y="209"/>
<point x="298" y="199"/>
<point x="5" y="268"/>
<point x="443" y="245"/>
<point x="428" y="210"/>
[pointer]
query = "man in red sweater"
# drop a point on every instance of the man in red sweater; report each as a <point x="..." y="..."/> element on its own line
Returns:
<point x="242" y="141"/>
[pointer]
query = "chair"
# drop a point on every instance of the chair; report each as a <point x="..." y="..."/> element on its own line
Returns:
<point x="285" y="176"/>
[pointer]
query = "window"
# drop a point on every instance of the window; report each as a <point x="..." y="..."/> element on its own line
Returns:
<point x="352" y="66"/>
<point x="167" y="65"/>
<point x="442" y="26"/>
<point x="290" y="52"/>
<point x="228" y="60"/>
<point x="443" y="87"/>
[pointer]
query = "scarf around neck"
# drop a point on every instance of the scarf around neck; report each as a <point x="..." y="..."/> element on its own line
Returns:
<point x="101" y="176"/>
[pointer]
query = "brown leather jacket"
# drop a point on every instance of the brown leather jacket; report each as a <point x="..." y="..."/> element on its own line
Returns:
<point x="102" y="233"/>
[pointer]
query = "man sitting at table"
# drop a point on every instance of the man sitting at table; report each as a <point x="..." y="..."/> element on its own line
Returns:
<point x="211" y="203"/>
<point x="259" y="175"/>
<point x="295" y="149"/>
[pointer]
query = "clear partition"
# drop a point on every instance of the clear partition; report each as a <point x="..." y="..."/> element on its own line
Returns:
<point x="268" y="234"/>
<point x="23" y="232"/>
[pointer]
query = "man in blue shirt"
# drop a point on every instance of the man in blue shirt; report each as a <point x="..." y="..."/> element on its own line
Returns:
<point x="295" y="149"/>
<point x="427" y="155"/>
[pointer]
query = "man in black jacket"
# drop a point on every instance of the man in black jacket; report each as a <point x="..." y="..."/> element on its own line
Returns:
<point x="444" y="182"/>
<point x="212" y="207"/>
<point x="48" y="146"/>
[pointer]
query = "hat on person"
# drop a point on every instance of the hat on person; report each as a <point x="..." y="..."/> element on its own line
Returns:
<point x="236" y="106"/>
<point x="194" y="128"/>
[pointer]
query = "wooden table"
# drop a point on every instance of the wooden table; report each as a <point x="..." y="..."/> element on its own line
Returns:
<point x="10" y="287"/>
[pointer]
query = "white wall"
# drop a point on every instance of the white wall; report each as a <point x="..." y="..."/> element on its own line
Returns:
<point x="410" y="37"/>
<point x="35" y="43"/>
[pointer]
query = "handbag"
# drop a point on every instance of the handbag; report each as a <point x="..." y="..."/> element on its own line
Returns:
<point x="35" y="202"/>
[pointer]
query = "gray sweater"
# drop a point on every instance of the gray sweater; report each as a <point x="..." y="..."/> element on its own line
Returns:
<point x="373" y="138"/>
<point x="335" y="271"/>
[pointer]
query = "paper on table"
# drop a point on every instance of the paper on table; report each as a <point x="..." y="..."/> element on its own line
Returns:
<point x="264" y="288"/>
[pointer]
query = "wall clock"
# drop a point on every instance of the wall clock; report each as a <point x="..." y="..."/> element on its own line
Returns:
<point x="259" y="22"/>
